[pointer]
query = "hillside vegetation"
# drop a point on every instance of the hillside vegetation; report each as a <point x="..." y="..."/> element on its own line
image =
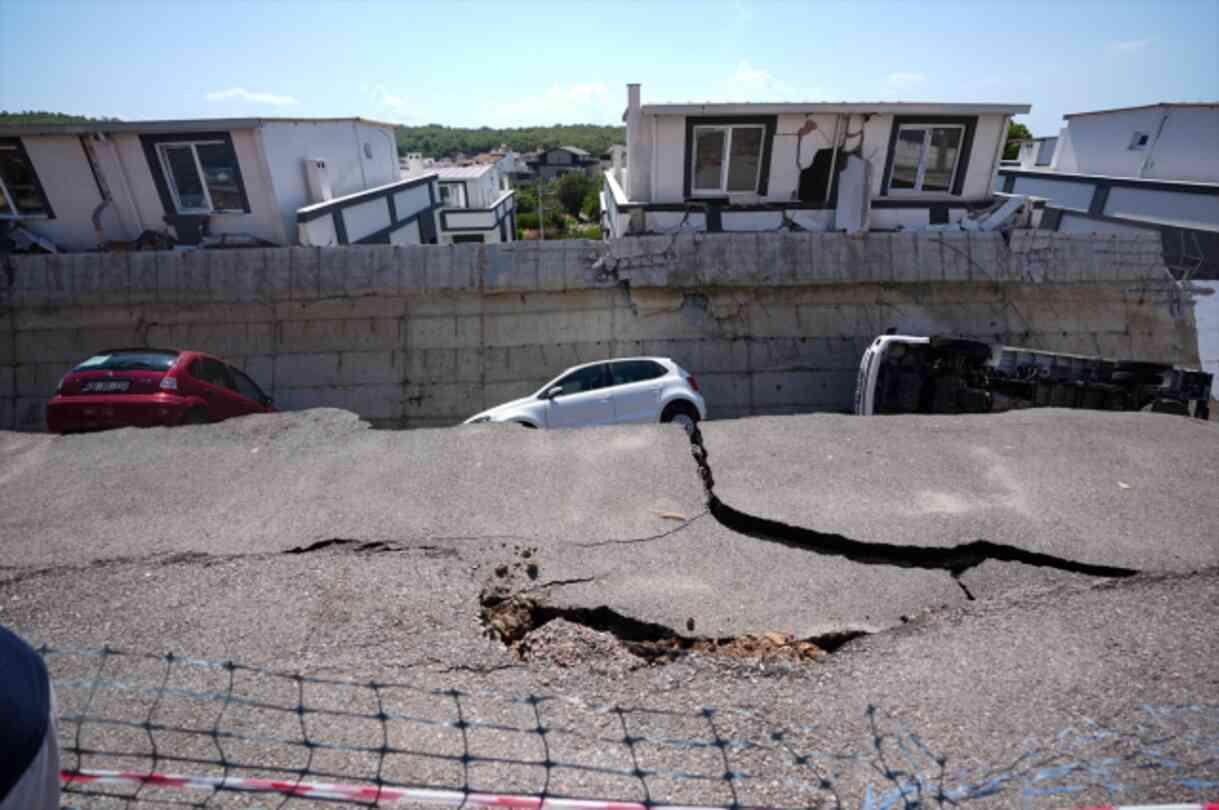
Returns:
<point x="436" y="140"/>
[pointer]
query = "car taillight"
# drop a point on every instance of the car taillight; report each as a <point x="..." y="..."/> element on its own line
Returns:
<point x="169" y="383"/>
<point x="693" y="382"/>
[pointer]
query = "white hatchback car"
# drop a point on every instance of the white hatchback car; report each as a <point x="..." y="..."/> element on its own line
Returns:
<point x="608" y="392"/>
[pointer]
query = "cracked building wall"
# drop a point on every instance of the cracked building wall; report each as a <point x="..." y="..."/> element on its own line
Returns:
<point x="424" y="335"/>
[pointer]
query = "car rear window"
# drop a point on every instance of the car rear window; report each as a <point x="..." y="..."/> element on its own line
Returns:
<point x="126" y="360"/>
<point x="632" y="371"/>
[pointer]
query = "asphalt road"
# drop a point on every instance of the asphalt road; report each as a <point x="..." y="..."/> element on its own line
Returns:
<point x="1045" y="684"/>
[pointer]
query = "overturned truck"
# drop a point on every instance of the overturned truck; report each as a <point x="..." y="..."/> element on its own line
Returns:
<point x="906" y="374"/>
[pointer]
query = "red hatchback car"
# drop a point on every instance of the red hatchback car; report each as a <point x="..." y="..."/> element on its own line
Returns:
<point x="149" y="387"/>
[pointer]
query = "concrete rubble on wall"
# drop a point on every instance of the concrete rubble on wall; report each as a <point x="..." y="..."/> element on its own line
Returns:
<point x="412" y="336"/>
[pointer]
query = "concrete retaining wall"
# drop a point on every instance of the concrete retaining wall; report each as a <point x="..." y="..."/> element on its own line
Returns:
<point x="427" y="335"/>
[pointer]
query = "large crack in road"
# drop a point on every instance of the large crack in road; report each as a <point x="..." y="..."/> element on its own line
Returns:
<point x="956" y="560"/>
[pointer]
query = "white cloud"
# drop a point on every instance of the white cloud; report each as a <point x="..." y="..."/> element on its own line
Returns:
<point x="241" y="94"/>
<point x="1128" y="45"/>
<point x="749" y="83"/>
<point x="905" y="79"/>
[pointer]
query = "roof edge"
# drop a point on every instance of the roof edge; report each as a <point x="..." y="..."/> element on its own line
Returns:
<point x="171" y="125"/>
<point x="1157" y="105"/>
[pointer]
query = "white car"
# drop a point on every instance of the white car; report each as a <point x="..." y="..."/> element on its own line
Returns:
<point x="608" y="392"/>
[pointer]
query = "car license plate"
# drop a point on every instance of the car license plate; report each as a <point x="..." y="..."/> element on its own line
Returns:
<point x="105" y="386"/>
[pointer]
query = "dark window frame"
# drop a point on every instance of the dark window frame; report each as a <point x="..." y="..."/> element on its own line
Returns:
<point x="48" y="212"/>
<point x="769" y="123"/>
<point x="969" y="122"/>
<point x="152" y="144"/>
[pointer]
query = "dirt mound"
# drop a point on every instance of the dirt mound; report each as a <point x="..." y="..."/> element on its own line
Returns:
<point x="567" y="644"/>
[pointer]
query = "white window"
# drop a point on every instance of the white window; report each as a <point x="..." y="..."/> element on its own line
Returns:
<point x="1139" y="141"/>
<point x="925" y="157"/>
<point x="202" y="176"/>
<point x="726" y="159"/>
<point x="19" y="192"/>
<point x="453" y="195"/>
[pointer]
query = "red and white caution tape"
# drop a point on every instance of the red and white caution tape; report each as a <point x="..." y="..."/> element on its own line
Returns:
<point x="1203" y="806"/>
<point x="364" y="793"/>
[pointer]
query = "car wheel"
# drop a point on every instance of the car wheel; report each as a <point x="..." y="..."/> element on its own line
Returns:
<point x="683" y="414"/>
<point x="195" y="416"/>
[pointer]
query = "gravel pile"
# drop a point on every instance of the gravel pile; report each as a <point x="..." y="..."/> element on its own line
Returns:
<point x="566" y="644"/>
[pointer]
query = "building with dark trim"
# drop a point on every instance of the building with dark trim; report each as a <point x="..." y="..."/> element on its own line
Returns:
<point x="765" y="167"/>
<point x="82" y="186"/>
<point x="476" y="203"/>
<point x="552" y="163"/>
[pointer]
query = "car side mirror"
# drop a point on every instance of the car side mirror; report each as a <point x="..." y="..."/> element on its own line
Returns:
<point x="553" y="392"/>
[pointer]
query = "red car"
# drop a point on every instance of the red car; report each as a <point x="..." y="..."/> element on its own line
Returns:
<point x="148" y="387"/>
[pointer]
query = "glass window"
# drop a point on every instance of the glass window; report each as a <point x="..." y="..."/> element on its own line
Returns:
<point x="184" y="178"/>
<point x="925" y="158"/>
<point x="220" y="172"/>
<point x="633" y="371"/>
<point x="941" y="163"/>
<point x="211" y="372"/>
<point x="203" y="176"/>
<point x="135" y="359"/>
<point x="740" y="146"/>
<point x="18" y="184"/>
<point x="589" y="378"/>
<point x="708" y="158"/>
<point x="906" y="157"/>
<point x="246" y="387"/>
<point x="746" y="159"/>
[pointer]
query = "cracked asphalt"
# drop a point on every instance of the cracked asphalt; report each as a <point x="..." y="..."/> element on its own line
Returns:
<point x="156" y="541"/>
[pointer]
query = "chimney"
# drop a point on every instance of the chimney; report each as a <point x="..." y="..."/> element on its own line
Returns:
<point x="636" y="165"/>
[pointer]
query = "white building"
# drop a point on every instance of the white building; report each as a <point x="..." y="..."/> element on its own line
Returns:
<point x="475" y="203"/>
<point x="788" y="165"/>
<point x="84" y="186"/>
<point x="1154" y="167"/>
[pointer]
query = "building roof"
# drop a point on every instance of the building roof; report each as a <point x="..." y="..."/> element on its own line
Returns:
<point x="1157" y="105"/>
<point x="779" y="108"/>
<point x="177" y="125"/>
<point x="575" y="150"/>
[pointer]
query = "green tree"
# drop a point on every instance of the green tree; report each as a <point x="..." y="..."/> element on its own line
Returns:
<point x="1015" y="132"/>
<point x="574" y="187"/>
<point x="437" y="140"/>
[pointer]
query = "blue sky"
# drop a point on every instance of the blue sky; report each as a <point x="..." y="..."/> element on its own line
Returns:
<point x="518" y="63"/>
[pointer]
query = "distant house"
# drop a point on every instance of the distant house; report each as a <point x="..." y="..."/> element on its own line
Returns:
<point x="1153" y="167"/>
<point x="83" y="186"/>
<point x="562" y="160"/>
<point x="803" y="166"/>
<point x="474" y="204"/>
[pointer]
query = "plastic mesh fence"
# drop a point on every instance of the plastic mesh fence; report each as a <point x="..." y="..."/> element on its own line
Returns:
<point x="144" y="730"/>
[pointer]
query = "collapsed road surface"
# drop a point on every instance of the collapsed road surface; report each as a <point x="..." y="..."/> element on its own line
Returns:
<point x="988" y="583"/>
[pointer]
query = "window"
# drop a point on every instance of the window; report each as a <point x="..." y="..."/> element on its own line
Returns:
<point x="727" y="158"/>
<point x="205" y="369"/>
<point x="458" y="238"/>
<point x="453" y="195"/>
<point x="633" y="371"/>
<point x="20" y="193"/>
<point x="247" y="387"/>
<point x="143" y="359"/>
<point x="589" y="378"/>
<point x="1140" y="140"/>
<point x="202" y="176"/>
<point x="925" y="157"/>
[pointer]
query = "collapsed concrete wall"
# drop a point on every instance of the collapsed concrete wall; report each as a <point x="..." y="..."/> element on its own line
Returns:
<point x="426" y="335"/>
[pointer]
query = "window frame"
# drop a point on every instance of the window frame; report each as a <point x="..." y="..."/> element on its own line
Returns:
<point x="236" y="375"/>
<point x="726" y="165"/>
<point x="921" y="171"/>
<point x="655" y="367"/>
<point x="927" y="122"/>
<point x="161" y="175"/>
<point x="14" y="214"/>
<point x="768" y="123"/>
<point x="606" y="379"/>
